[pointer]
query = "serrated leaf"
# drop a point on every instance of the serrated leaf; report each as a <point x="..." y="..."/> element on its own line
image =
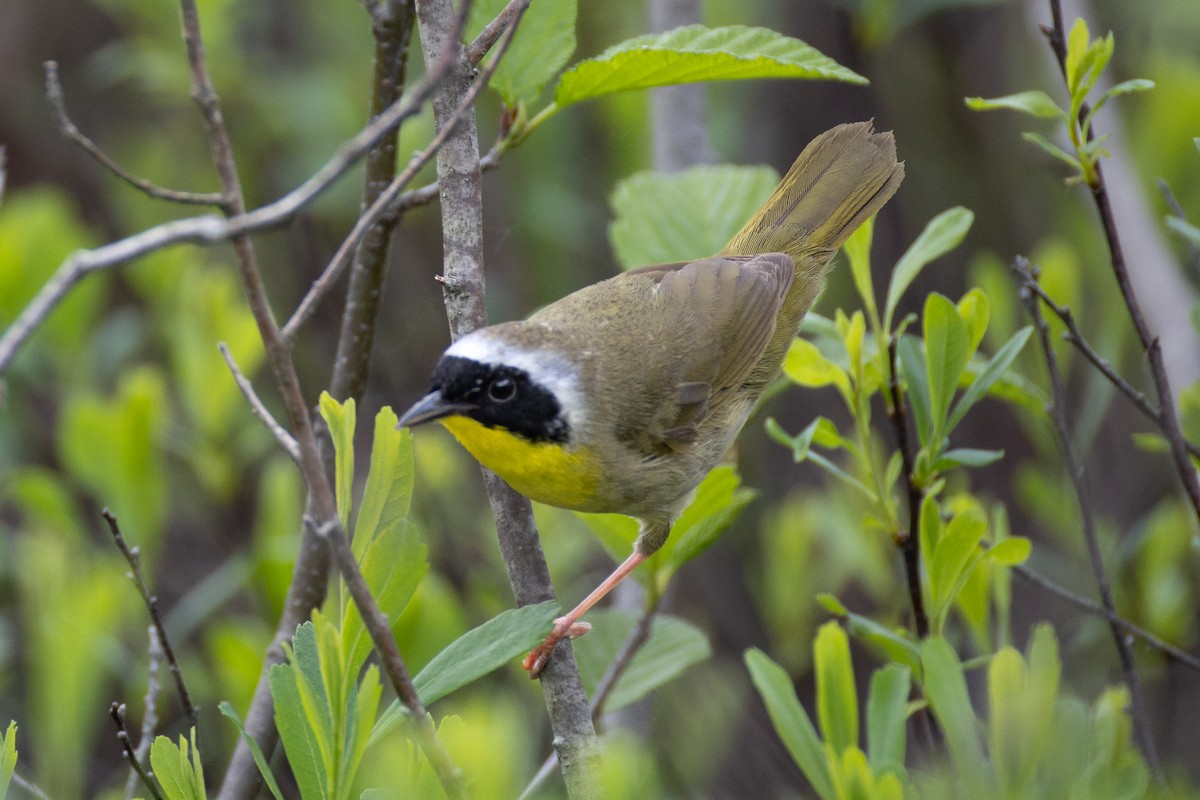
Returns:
<point x="696" y="53"/>
<point x="388" y="491"/>
<point x="660" y="218"/>
<point x="887" y="718"/>
<point x="837" y="697"/>
<point x="673" y="646"/>
<point x="943" y="233"/>
<point x="790" y="720"/>
<point x="993" y="372"/>
<point x="340" y="419"/>
<point x="541" y="46"/>
<point x="1034" y="103"/>
<point x="260" y="760"/>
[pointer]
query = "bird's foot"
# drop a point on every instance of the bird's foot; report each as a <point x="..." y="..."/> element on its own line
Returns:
<point x="564" y="627"/>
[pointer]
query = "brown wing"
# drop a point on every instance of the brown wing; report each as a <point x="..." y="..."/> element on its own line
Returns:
<point x="721" y="313"/>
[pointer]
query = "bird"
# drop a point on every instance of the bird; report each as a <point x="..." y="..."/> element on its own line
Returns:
<point x="623" y="395"/>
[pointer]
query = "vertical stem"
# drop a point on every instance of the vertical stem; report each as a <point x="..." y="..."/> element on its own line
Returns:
<point x="463" y="289"/>
<point x="910" y="541"/>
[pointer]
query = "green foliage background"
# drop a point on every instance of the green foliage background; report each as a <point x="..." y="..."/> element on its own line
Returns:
<point x="122" y="400"/>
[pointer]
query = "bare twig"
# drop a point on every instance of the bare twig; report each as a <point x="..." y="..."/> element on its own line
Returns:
<point x="487" y="37"/>
<point x="463" y="293"/>
<point x="117" y="712"/>
<point x="29" y="787"/>
<point x="67" y="127"/>
<point x="1075" y="471"/>
<point x="1075" y="336"/>
<point x="1171" y="426"/>
<point x="257" y="408"/>
<point x="150" y="716"/>
<point x="1079" y="601"/>
<point x="210" y="229"/>
<point x="133" y="558"/>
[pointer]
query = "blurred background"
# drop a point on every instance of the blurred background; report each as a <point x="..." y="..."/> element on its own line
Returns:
<point x="122" y="400"/>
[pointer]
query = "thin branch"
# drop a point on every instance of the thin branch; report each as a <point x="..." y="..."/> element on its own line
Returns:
<point x="487" y="37"/>
<point x="1171" y="426"/>
<point x="117" y="712"/>
<point x="257" y="408"/>
<point x="210" y="229"/>
<point x="1075" y="470"/>
<point x="70" y="131"/>
<point x="909" y="541"/>
<point x="1079" y="601"/>
<point x="133" y="558"/>
<point x="1075" y="336"/>
<point x="29" y="787"/>
<point x="150" y="716"/>
<point x="463" y="294"/>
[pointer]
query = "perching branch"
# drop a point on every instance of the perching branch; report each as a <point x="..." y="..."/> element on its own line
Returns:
<point x="1075" y="472"/>
<point x="1172" y="428"/>
<point x="117" y="712"/>
<point x="133" y="558"/>
<point x="71" y="132"/>
<point x="463" y="292"/>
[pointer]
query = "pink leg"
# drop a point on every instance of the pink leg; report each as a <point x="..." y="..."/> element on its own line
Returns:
<point x="570" y="626"/>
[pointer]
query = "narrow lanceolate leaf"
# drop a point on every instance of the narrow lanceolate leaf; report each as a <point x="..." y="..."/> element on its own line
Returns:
<point x="993" y="372"/>
<point x="1038" y="104"/>
<point x="946" y="688"/>
<point x="858" y="253"/>
<point x="791" y="722"/>
<point x="947" y="350"/>
<point x="8" y="757"/>
<point x="661" y="218"/>
<point x="837" y="698"/>
<point x="696" y="53"/>
<point x="912" y="366"/>
<point x="388" y="491"/>
<point x="260" y="760"/>
<point x="943" y="233"/>
<point x="887" y="718"/>
<point x="340" y="419"/>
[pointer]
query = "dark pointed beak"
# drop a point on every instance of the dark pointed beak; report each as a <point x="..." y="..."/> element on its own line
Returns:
<point x="429" y="408"/>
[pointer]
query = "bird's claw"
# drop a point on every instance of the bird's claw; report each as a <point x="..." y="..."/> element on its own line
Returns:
<point x="564" y="628"/>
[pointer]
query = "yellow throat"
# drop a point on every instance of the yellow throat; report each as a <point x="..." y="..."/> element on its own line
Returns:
<point x="544" y="471"/>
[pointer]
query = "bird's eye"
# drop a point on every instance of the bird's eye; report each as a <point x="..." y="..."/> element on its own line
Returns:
<point x="502" y="390"/>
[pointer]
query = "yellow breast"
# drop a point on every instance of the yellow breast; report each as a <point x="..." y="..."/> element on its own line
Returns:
<point x="543" y="471"/>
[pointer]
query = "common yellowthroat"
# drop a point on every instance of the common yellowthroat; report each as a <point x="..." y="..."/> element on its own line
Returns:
<point x="622" y="396"/>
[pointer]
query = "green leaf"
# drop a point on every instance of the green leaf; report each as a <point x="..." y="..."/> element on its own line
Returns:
<point x="177" y="769"/>
<point x="673" y="646"/>
<point x="298" y="736"/>
<point x="887" y="718"/>
<point x="947" y="350"/>
<point x="912" y="366"/>
<point x="696" y="53"/>
<point x="480" y="650"/>
<point x="837" y="697"/>
<point x="1077" y="47"/>
<point x="805" y="365"/>
<point x="943" y="233"/>
<point x="946" y="689"/>
<point x="388" y="490"/>
<point x="660" y="218"/>
<point x="340" y="419"/>
<point x="1034" y="103"/>
<point x="8" y="757"/>
<point x="993" y="372"/>
<point x="959" y="542"/>
<point x="260" y="760"/>
<point x="541" y="46"/>
<point x="1053" y="150"/>
<point x="894" y="644"/>
<point x="393" y="566"/>
<point x="718" y="500"/>
<point x="858" y="253"/>
<point x="791" y="722"/>
<point x="616" y="532"/>
<point x="1011" y="552"/>
<point x="966" y="457"/>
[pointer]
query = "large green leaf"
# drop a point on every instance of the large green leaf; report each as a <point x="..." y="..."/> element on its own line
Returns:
<point x="791" y="721"/>
<point x="659" y="218"/>
<point x="946" y="688"/>
<point x="887" y="718"/>
<point x="943" y="233"/>
<point x="673" y="646"/>
<point x="696" y="53"/>
<point x="543" y="43"/>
